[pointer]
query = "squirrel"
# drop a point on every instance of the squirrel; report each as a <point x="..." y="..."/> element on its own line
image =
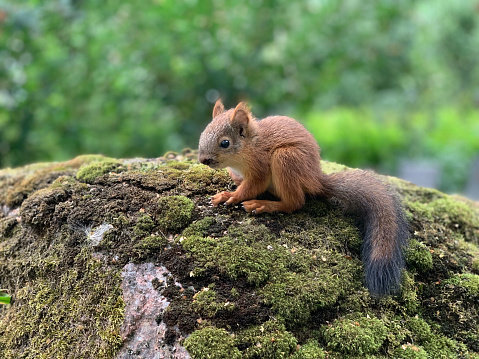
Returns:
<point x="278" y="155"/>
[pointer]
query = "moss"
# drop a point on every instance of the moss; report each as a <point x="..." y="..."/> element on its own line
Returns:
<point x="294" y="283"/>
<point x="80" y="310"/>
<point x="410" y="351"/>
<point x="203" y="179"/>
<point x="439" y="346"/>
<point x="475" y="265"/>
<point x="206" y="304"/>
<point x="37" y="210"/>
<point x="88" y="173"/>
<point x="409" y="293"/>
<point x="420" y="209"/>
<point x="149" y="245"/>
<point x="310" y="350"/>
<point x="293" y="296"/>
<point x="467" y="281"/>
<point x="453" y="214"/>
<point x="436" y="345"/>
<point x="331" y="167"/>
<point x="421" y="331"/>
<point x="178" y="165"/>
<point x="269" y="340"/>
<point x="144" y="226"/>
<point x="357" y="335"/>
<point x="236" y="255"/>
<point x="200" y="227"/>
<point x="174" y="212"/>
<point x="418" y="256"/>
<point x="211" y="343"/>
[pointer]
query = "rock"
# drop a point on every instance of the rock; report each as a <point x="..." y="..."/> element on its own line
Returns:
<point x="108" y="258"/>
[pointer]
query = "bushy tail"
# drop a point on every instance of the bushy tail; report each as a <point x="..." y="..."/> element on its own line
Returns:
<point x="383" y="222"/>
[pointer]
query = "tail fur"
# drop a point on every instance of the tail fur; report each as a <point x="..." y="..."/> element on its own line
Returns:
<point x="382" y="220"/>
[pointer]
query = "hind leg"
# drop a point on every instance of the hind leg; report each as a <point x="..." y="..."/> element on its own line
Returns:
<point x="286" y="167"/>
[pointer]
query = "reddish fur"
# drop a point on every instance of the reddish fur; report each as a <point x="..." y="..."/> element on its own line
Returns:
<point x="277" y="154"/>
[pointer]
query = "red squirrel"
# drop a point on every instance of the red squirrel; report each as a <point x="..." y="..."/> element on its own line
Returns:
<point x="278" y="155"/>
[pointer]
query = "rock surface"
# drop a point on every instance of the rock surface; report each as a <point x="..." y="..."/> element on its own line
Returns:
<point x="109" y="258"/>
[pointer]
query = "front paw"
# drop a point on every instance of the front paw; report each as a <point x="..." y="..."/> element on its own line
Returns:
<point x="254" y="206"/>
<point x="220" y="198"/>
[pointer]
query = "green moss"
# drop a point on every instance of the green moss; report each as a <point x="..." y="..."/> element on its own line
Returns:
<point x="409" y="293"/>
<point x="149" y="245"/>
<point x="409" y="351"/>
<point x="310" y="350"/>
<point x="88" y="173"/>
<point x="436" y="345"/>
<point x="203" y="179"/>
<point x="238" y="256"/>
<point x="358" y="335"/>
<point x="331" y="167"/>
<point x="269" y="340"/>
<point x="178" y="165"/>
<point x="420" y="209"/>
<point x="451" y="213"/>
<point x="439" y="346"/>
<point x="80" y="311"/>
<point x="206" y="304"/>
<point x="174" y="212"/>
<point x="421" y="331"/>
<point x="467" y="281"/>
<point x="475" y="265"/>
<point x="418" y="256"/>
<point x="294" y="283"/>
<point x="211" y="343"/>
<point x="199" y="228"/>
<point x="293" y="296"/>
<point x="144" y="226"/>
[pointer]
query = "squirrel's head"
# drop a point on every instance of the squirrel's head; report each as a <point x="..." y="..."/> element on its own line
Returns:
<point x="226" y="135"/>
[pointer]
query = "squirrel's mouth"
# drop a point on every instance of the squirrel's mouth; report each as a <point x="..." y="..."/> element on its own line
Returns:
<point x="209" y="162"/>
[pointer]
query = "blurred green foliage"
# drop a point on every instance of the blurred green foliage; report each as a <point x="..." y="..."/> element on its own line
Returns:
<point x="376" y="81"/>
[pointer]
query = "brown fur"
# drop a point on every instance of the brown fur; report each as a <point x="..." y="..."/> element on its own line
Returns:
<point x="278" y="155"/>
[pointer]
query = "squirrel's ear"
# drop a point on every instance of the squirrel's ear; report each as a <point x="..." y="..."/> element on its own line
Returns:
<point x="218" y="109"/>
<point x="241" y="115"/>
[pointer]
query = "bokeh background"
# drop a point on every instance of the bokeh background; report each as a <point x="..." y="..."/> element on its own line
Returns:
<point x="383" y="84"/>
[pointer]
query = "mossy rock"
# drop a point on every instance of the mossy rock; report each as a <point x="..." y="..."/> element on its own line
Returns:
<point x="237" y="285"/>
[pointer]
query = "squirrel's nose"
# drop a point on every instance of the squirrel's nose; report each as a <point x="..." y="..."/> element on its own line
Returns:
<point x="206" y="161"/>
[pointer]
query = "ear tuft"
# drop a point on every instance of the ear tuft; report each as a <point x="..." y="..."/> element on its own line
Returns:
<point x="219" y="108"/>
<point x="241" y="115"/>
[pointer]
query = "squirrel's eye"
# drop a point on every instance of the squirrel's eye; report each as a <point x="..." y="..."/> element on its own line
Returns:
<point x="225" y="143"/>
